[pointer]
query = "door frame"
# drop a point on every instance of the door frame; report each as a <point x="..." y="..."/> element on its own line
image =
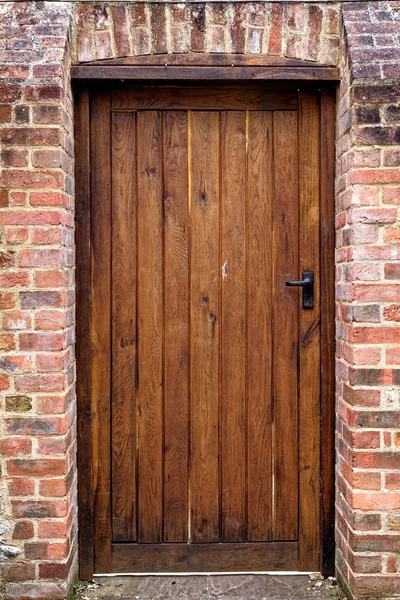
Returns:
<point x="291" y="75"/>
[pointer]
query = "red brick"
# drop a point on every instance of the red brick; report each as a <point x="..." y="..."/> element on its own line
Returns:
<point x="7" y="341"/>
<point x="41" y="341"/>
<point x="392" y="235"/>
<point x="376" y="501"/>
<point x="392" y="481"/>
<point x="5" y="114"/>
<point x="52" y="530"/>
<point x="49" y="320"/>
<point x="120" y="29"/>
<point x="30" y="179"/>
<point x="376" y="335"/>
<point x="40" y="590"/>
<point x="21" y="487"/>
<point x="17" y="235"/>
<point x="15" y="447"/>
<point x="9" y="93"/>
<point x="47" y="115"/>
<point x="41" y="258"/>
<point x="4" y="382"/>
<point x="4" y="201"/>
<point x="14" y="279"/>
<point x="14" y="158"/>
<point x="23" y="530"/>
<point x="36" y="426"/>
<point x="392" y="313"/>
<point x="46" y="550"/>
<point x="295" y="16"/>
<point x="47" y="158"/>
<point x="315" y="15"/>
<point x="36" y="468"/>
<point x="43" y="92"/>
<point x="275" y="34"/>
<point x="393" y="356"/>
<point x="368" y="176"/>
<point x="198" y="22"/>
<point x="41" y="299"/>
<point x="53" y="487"/>
<point x="7" y="300"/>
<point x="39" y="383"/>
<point x="18" y="198"/>
<point x="29" y="136"/>
<point x="52" y="446"/>
<point x="50" y="362"/>
<point x="41" y="509"/>
<point x="48" y="279"/>
<point x="20" y="571"/>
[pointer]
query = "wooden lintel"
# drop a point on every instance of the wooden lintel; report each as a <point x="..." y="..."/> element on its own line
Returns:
<point x="205" y="60"/>
<point x="158" y="72"/>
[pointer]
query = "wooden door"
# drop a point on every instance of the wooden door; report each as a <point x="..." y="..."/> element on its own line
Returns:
<point x="205" y="369"/>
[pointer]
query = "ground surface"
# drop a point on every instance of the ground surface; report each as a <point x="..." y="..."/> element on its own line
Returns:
<point x="221" y="587"/>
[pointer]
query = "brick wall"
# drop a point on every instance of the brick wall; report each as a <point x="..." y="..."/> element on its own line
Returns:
<point x="37" y="406"/>
<point x="368" y="293"/>
<point x="38" y="504"/>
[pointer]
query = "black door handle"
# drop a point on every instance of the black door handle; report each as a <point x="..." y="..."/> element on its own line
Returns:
<point x="307" y="284"/>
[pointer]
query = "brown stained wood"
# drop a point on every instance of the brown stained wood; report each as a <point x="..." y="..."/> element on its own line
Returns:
<point x="198" y="59"/>
<point x="285" y="326"/>
<point x="100" y="326"/>
<point x="150" y="326"/>
<point x="212" y="96"/>
<point x="83" y="346"/>
<point x="309" y="363"/>
<point x="176" y="312"/>
<point x="166" y="73"/>
<point x="214" y="315"/>
<point x="259" y="315"/>
<point x="181" y="558"/>
<point x="233" y="327"/>
<point x="124" y="203"/>
<point x="327" y="233"/>
<point x="205" y="327"/>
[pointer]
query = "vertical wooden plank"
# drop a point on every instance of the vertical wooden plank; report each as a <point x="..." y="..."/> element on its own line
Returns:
<point x="259" y="318"/>
<point x="123" y="433"/>
<point x="309" y="388"/>
<point x="83" y="341"/>
<point x="233" y="326"/>
<point x="100" y="326"/>
<point x="285" y="326"/>
<point x="204" y="310"/>
<point x="150" y="326"/>
<point x="176" y="302"/>
<point x="327" y="233"/>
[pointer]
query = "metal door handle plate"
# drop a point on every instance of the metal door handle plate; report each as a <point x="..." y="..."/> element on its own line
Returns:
<point x="307" y="284"/>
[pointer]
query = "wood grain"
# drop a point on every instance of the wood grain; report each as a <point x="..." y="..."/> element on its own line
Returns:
<point x="233" y="327"/>
<point x="100" y="283"/>
<point x="167" y="73"/>
<point x="194" y="97"/>
<point x="259" y="318"/>
<point x="206" y="60"/>
<point x="309" y="364"/>
<point x="83" y="341"/>
<point x="327" y="251"/>
<point x="150" y="327"/>
<point x="181" y="558"/>
<point x="176" y="311"/>
<point x="285" y="326"/>
<point x="205" y="326"/>
<point x="124" y="206"/>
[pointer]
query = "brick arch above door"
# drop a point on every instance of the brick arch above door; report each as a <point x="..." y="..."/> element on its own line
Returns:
<point x="293" y="30"/>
